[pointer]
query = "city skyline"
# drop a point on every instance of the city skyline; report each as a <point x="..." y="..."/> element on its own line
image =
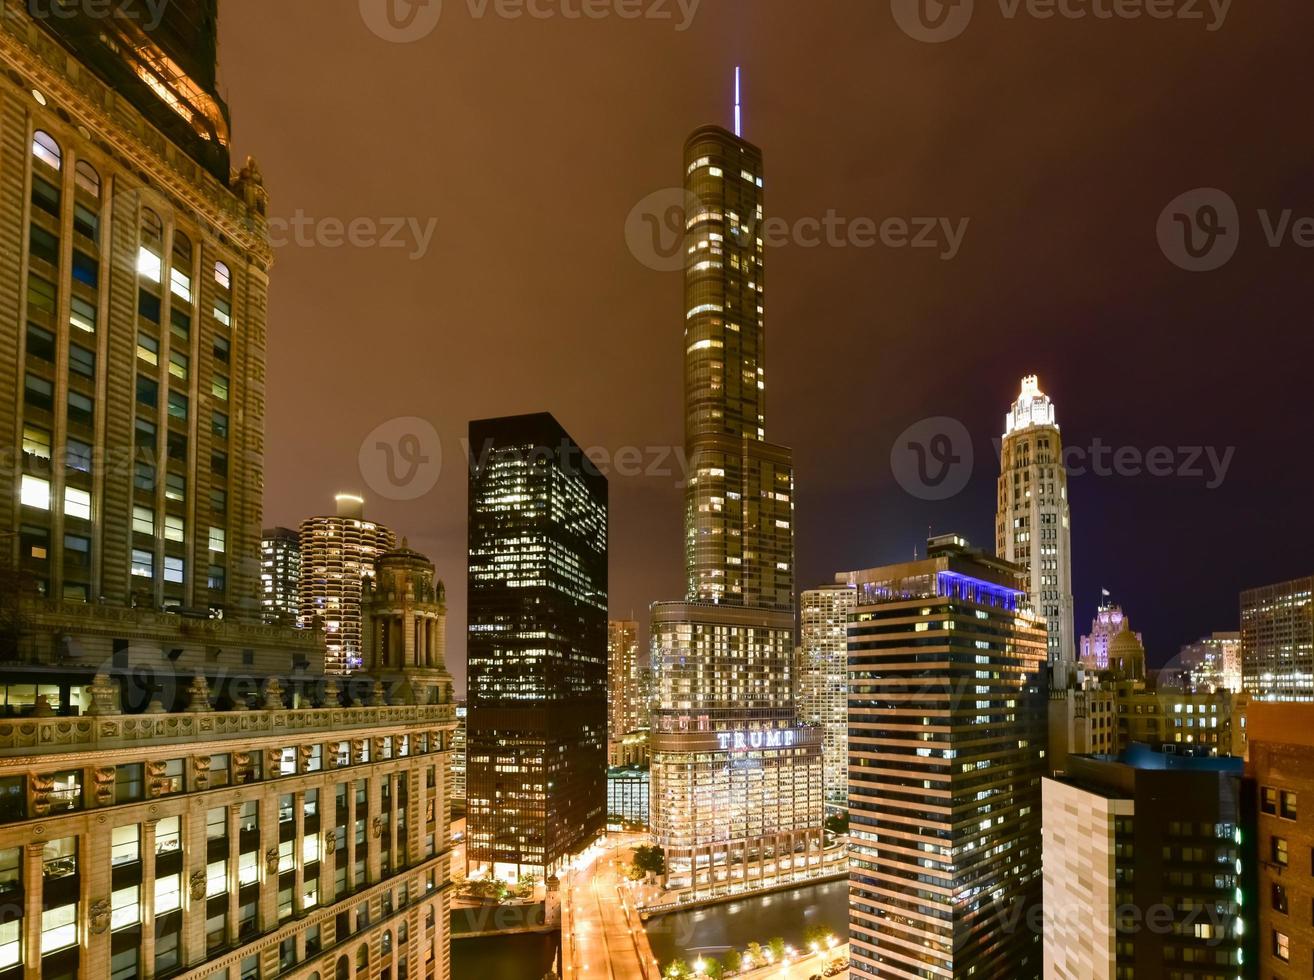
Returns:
<point x="986" y="300"/>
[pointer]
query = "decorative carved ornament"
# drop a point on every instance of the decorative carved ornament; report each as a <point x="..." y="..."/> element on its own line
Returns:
<point x="197" y="881"/>
<point x="100" y="916"/>
<point x="271" y="861"/>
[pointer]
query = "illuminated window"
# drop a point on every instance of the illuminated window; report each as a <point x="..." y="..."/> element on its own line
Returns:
<point x="168" y="893"/>
<point x="59" y="928"/>
<point x="77" y="503"/>
<point x="45" y="149"/>
<point x="217" y="539"/>
<point x="125" y="907"/>
<point x="222" y="276"/>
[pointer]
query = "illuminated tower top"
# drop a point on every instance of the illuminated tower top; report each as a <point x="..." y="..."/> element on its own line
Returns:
<point x="1032" y="407"/>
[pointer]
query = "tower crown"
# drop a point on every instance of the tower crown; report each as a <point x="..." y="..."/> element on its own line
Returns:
<point x="1032" y="407"/>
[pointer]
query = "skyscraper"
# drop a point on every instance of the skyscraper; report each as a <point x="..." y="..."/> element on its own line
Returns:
<point x="280" y="575"/>
<point x="947" y="702"/>
<point x="736" y="782"/>
<point x="1277" y="641"/>
<point x="1144" y="868"/>
<point x="133" y="340"/>
<point x="337" y="554"/>
<point x="536" y="769"/>
<point x="1033" y="526"/>
<point x="184" y="792"/>
<point x="622" y="684"/>
<point x="1109" y="621"/>
<point x="823" y="682"/>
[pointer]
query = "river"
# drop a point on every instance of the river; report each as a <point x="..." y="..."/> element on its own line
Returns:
<point x="527" y="956"/>
<point x="712" y="930"/>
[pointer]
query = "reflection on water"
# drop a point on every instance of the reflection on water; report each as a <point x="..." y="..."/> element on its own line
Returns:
<point x="518" y="957"/>
<point x="712" y="930"/>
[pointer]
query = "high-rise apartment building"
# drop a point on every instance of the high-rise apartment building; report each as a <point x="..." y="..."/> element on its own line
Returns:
<point x="736" y="781"/>
<point x="823" y="680"/>
<point x="1144" y="868"/>
<point x="337" y="555"/>
<point x="1277" y="641"/>
<point x="947" y="690"/>
<point x="280" y="576"/>
<point x="536" y="770"/>
<point x="132" y="337"/>
<point x="622" y="685"/>
<point x="1033" y="525"/>
<point x="1213" y="663"/>
<point x="1109" y="621"/>
<point x="182" y="790"/>
<point x="1280" y="786"/>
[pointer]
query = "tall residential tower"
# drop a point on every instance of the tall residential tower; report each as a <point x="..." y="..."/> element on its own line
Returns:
<point x="338" y="553"/>
<point x="823" y="681"/>
<point x="736" y="781"/>
<point x="1033" y="527"/>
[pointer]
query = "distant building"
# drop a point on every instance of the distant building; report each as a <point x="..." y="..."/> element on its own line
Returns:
<point x="622" y="684"/>
<point x="536" y="772"/>
<point x="458" y="756"/>
<point x="1123" y="705"/>
<point x="1140" y="839"/>
<point x="1213" y="663"/>
<point x="1280" y="788"/>
<point x="280" y="576"/>
<point x="1277" y="641"/>
<point x="1108" y="623"/>
<point x="947" y="689"/>
<point x="823" y="681"/>
<point x="627" y="797"/>
<point x="337" y="554"/>
<point x="1033" y="524"/>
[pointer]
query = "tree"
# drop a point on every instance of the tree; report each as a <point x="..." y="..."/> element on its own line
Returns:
<point x="755" y="954"/>
<point x="815" y="934"/>
<point x="650" y="859"/>
<point x="677" y="969"/>
<point x="838" y="824"/>
<point x="712" y="968"/>
<point x="777" y="948"/>
<point x="732" y="961"/>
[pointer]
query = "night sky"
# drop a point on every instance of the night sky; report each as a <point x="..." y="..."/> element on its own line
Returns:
<point x="529" y="142"/>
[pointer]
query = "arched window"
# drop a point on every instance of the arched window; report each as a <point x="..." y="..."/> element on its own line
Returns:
<point x="87" y="179"/>
<point x="386" y="947"/>
<point x="45" y="149"/>
<point x="152" y="226"/>
<point x="402" y="933"/>
<point x="343" y="970"/>
<point x="222" y="276"/>
<point x="362" y="956"/>
<point x="182" y="250"/>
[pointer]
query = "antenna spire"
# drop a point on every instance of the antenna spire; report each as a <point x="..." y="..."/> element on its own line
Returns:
<point x="739" y="106"/>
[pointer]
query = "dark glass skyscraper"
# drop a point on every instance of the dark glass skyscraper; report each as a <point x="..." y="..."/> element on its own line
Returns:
<point x="537" y="648"/>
